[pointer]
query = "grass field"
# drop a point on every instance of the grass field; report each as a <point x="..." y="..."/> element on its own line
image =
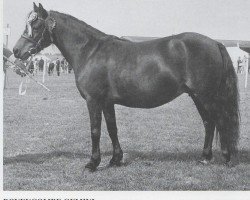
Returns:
<point x="47" y="143"/>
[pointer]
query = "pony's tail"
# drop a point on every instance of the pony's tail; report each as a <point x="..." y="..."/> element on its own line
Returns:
<point x="227" y="122"/>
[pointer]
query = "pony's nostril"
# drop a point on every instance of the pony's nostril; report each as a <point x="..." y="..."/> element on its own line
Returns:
<point x="16" y="51"/>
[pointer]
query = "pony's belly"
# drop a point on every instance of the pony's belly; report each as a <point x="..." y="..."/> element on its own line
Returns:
<point x="141" y="102"/>
<point x="148" y="98"/>
<point x="146" y="91"/>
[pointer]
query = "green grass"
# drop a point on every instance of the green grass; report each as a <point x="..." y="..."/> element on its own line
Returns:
<point x="47" y="143"/>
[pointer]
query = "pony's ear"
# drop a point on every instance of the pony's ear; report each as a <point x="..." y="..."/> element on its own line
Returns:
<point x="35" y="7"/>
<point x="50" y="24"/>
<point x="40" y="7"/>
<point x="42" y="11"/>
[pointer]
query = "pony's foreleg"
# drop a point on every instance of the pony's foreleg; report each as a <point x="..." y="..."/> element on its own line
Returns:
<point x="109" y="115"/>
<point x="95" y="114"/>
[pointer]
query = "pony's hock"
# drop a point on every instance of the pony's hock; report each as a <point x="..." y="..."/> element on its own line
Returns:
<point x="109" y="70"/>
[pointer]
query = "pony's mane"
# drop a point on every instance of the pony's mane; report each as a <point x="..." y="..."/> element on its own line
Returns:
<point x="69" y="18"/>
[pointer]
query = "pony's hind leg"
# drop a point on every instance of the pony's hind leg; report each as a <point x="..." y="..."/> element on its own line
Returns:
<point x="209" y="132"/>
<point x="230" y="157"/>
<point x="109" y="115"/>
<point x="224" y="148"/>
<point x="209" y="127"/>
<point x="207" y="149"/>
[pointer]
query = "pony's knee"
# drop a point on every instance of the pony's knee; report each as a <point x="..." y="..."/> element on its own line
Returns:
<point x="95" y="133"/>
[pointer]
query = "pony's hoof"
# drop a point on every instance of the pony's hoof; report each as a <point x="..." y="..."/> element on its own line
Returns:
<point x="90" y="167"/>
<point x="229" y="164"/>
<point x="205" y="161"/>
<point x="114" y="163"/>
<point x="116" y="160"/>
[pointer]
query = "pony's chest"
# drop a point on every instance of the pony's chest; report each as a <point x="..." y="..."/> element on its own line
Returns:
<point x="92" y="81"/>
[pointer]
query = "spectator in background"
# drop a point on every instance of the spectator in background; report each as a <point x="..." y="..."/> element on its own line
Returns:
<point x="58" y="67"/>
<point x="51" y="68"/>
<point x="63" y="64"/>
<point x="66" y="66"/>
<point x="35" y="63"/>
<point x="239" y="65"/>
<point x="248" y="65"/>
<point x="244" y="63"/>
<point x="31" y="67"/>
<point x="69" y="67"/>
<point x="41" y="64"/>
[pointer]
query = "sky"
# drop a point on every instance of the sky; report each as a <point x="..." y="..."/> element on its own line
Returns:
<point x="218" y="19"/>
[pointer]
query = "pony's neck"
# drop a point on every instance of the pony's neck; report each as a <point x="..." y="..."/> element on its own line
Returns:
<point x="74" y="38"/>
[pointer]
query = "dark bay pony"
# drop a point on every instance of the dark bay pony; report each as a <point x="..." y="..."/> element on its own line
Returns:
<point x="109" y="70"/>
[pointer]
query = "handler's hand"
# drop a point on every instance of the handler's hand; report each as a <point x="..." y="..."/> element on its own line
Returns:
<point x="22" y="66"/>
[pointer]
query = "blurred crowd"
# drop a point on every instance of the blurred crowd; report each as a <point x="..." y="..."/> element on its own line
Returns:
<point x="242" y="64"/>
<point x="56" y="67"/>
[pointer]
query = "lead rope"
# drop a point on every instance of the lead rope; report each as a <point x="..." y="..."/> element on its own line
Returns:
<point x="26" y="81"/>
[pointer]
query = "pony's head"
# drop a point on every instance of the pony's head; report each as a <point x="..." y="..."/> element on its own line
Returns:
<point x="38" y="33"/>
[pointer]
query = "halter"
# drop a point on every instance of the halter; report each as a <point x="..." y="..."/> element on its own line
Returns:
<point x="38" y="44"/>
